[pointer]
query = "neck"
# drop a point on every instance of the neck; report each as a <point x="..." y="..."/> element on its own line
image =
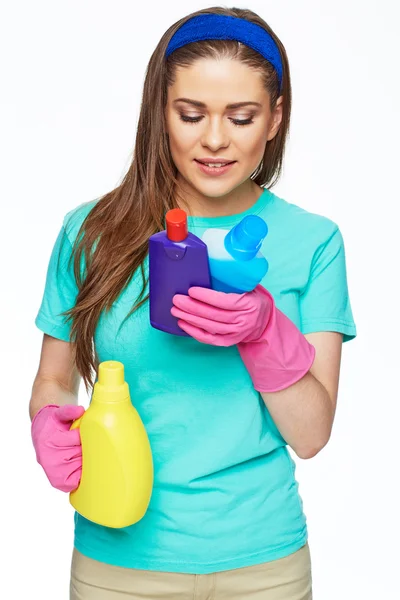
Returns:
<point x="236" y="201"/>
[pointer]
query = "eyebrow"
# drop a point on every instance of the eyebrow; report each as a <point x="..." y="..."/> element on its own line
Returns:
<point x="202" y="105"/>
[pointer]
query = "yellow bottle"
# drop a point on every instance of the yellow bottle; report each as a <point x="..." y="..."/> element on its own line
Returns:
<point x="117" y="465"/>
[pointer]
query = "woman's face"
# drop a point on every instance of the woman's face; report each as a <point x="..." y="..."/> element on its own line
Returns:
<point x="208" y="127"/>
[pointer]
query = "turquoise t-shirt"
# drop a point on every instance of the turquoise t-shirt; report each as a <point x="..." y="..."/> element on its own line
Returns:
<point x="225" y="494"/>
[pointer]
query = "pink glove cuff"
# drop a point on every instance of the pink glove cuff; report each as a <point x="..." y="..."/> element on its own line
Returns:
<point x="280" y="356"/>
<point x="41" y="410"/>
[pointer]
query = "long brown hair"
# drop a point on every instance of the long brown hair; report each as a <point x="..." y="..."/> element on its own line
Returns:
<point x="121" y="221"/>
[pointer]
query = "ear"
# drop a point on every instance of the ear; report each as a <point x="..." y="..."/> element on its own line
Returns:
<point x="276" y="119"/>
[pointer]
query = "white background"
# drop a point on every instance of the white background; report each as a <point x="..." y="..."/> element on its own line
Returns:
<point x="71" y="77"/>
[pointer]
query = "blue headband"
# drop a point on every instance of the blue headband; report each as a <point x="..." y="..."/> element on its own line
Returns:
<point x="210" y="26"/>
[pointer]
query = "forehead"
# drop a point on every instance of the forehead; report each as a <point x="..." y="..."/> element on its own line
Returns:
<point x="218" y="81"/>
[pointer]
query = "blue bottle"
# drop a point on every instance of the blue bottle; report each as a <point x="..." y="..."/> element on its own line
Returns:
<point x="236" y="262"/>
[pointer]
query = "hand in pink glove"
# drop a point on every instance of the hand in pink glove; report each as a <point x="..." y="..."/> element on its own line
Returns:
<point x="58" y="450"/>
<point x="274" y="351"/>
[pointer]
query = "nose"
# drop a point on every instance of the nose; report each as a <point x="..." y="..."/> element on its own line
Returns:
<point x="215" y="135"/>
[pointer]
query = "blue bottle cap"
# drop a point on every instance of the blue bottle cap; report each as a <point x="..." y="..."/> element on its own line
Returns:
<point x="244" y="240"/>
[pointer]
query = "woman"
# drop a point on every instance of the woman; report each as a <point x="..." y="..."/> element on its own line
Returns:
<point x="221" y="406"/>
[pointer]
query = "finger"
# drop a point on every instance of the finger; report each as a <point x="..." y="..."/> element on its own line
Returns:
<point x="63" y="439"/>
<point x="198" y="334"/>
<point x="74" y="455"/>
<point x="76" y="474"/>
<point x="73" y="480"/>
<point x="204" y="336"/>
<point x="69" y="412"/>
<point x="206" y="311"/>
<point x="228" y="301"/>
<point x="203" y="323"/>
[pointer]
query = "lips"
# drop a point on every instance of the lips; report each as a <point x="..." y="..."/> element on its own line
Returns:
<point x="214" y="171"/>
<point x="205" y="162"/>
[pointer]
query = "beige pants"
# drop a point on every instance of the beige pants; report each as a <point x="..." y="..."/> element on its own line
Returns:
<point x="287" y="578"/>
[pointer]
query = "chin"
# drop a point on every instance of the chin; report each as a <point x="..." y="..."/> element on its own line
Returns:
<point x="214" y="191"/>
<point x="214" y="188"/>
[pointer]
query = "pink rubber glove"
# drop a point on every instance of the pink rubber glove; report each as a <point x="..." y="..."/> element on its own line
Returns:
<point x="58" y="450"/>
<point x="274" y="351"/>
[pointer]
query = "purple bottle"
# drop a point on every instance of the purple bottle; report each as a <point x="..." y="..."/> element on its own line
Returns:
<point x="178" y="260"/>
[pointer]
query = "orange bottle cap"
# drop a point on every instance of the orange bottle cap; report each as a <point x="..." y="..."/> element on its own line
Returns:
<point x="177" y="228"/>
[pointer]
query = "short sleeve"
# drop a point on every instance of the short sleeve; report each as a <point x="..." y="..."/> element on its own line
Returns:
<point x="325" y="303"/>
<point x="60" y="290"/>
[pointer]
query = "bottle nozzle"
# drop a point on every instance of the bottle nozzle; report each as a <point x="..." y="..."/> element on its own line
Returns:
<point x="244" y="240"/>
<point x="110" y="385"/>
<point x="111" y="373"/>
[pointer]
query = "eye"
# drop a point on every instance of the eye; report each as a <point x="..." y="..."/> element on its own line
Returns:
<point x="237" y="122"/>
